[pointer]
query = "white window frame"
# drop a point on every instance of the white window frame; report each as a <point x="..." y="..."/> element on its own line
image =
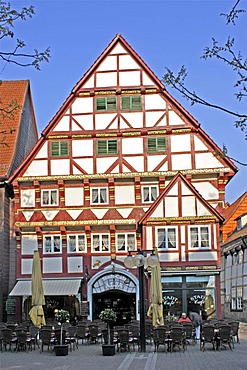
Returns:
<point x="77" y="248"/>
<point x="237" y="299"/>
<point x="50" y="199"/>
<point x="101" y="243"/>
<point x="167" y="246"/>
<point x="125" y="244"/>
<point x="199" y="235"/>
<point x="149" y="187"/>
<point x="53" y="246"/>
<point x="99" y="189"/>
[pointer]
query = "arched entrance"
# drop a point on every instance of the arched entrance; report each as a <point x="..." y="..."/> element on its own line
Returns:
<point x="116" y="289"/>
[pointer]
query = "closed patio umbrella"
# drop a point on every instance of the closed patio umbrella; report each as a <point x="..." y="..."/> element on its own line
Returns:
<point x="155" y="310"/>
<point x="38" y="300"/>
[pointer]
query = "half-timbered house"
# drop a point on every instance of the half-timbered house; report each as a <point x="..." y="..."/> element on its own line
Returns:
<point x="121" y="166"/>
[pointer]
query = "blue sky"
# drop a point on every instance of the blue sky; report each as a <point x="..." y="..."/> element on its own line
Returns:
<point x="164" y="33"/>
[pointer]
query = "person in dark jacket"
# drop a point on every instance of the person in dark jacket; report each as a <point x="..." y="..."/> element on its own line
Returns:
<point x="197" y="321"/>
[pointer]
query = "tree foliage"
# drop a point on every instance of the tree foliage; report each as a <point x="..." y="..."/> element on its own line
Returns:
<point x="226" y="54"/>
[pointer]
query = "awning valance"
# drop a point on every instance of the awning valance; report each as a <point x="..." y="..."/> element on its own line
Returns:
<point x="51" y="287"/>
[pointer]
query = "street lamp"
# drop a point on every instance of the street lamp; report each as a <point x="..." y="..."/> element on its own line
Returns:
<point x="138" y="260"/>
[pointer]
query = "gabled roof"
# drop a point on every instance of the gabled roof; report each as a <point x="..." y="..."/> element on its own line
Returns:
<point x="229" y="212"/>
<point x="176" y="179"/>
<point x="16" y="92"/>
<point x="161" y="87"/>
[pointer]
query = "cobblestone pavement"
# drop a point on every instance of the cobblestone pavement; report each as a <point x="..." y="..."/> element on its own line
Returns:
<point x="89" y="357"/>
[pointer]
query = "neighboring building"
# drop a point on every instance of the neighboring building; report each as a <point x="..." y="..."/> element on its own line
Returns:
<point x="18" y="134"/>
<point x="122" y="165"/>
<point x="234" y="261"/>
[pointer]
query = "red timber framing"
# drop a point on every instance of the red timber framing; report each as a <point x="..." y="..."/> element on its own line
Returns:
<point x="122" y="165"/>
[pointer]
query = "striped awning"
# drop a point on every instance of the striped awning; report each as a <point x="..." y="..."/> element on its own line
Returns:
<point x="51" y="287"/>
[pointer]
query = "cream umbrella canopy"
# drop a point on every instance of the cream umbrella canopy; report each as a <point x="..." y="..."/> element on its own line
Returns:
<point x="38" y="300"/>
<point x="155" y="310"/>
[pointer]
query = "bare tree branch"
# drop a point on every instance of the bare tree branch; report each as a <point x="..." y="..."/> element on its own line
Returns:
<point x="226" y="54"/>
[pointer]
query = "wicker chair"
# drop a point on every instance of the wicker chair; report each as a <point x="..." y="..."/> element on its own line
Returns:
<point x="177" y="337"/>
<point x="225" y="337"/>
<point x="46" y="339"/>
<point x="234" y="331"/>
<point x="160" y="338"/>
<point x="124" y="340"/>
<point x="207" y="336"/>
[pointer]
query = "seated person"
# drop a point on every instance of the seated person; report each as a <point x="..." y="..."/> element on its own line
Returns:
<point x="184" y="318"/>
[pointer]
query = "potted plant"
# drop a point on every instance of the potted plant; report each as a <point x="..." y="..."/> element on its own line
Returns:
<point x="108" y="316"/>
<point x="61" y="316"/>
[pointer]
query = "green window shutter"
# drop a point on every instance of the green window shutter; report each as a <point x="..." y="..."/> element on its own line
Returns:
<point x="112" y="147"/>
<point x="64" y="148"/>
<point x="111" y="103"/>
<point x="100" y="104"/>
<point x="106" y="104"/>
<point x="107" y="147"/>
<point x="161" y="144"/>
<point x="152" y="144"/>
<point x="156" y="144"/>
<point x="59" y="148"/>
<point x="136" y="102"/>
<point x="54" y="148"/>
<point x="131" y="102"/>
<point x="101" y="147"/>
<point x="125" y="102"/>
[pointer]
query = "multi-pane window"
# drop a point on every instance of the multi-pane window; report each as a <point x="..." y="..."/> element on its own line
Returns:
<point x="149" y="193"/>
<point x="49" y="197"/>
<point x="131" y="102"/>
<point x="59" y="148"/>
<point x="167" y="237"/>
<point x="100" y="243"/>
<point x="107" y="147"/>
<point x="199" y="237"/>
<point x="156" y="144"/>
<point x="237" y="299"/>
<point x="52" y="244"/>
<point x="99" y="195"/>
<point x="126" y="242"/>
<point x="108" y="103"/>
<point x="76" y="243"/>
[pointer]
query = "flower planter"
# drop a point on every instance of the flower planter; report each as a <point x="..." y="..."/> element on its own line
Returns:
<point x="61" y="349"/>
<point x="108" y="349"/>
